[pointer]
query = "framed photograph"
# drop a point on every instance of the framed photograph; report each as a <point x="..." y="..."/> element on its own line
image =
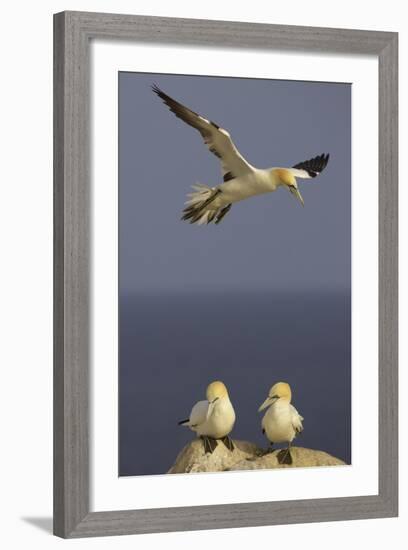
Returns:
<point x="225" y="274"/>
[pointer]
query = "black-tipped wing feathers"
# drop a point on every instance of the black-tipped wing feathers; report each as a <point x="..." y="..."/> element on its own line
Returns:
<point x="217" y="139"/>
<point x="312" y="167"/>
<point x="185" y="114"/>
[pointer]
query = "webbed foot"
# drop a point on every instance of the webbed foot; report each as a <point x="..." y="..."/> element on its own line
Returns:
<point x="210" y="444"/>
<point x="228" y="443"/>
<point x="284" y="457"/>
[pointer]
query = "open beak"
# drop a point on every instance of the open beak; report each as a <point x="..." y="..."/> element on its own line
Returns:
<point x="295" y="192"/>
<point x="268" y="401"/>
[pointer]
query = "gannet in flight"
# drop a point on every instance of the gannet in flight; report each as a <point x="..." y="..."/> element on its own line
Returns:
<point x="281" y="422"/>
<point x="241" y="179"/>
<point x="213" y="419"/>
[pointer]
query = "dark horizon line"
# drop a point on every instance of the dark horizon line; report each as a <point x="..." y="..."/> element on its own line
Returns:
<point x="224" y="290"/>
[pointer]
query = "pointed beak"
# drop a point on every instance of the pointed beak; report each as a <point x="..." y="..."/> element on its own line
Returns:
<point x="268" y="401"/>
<point x="211" y="407"/>
<point x="295" y="192"/>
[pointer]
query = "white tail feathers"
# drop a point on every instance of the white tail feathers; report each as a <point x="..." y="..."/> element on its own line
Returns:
<point x="202" y="207"/>
<point x="196" y="209"/>
<point x="200" y="194"/>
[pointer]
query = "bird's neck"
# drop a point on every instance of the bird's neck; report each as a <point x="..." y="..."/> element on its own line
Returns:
<point x="222" y="402"/>
<point x="274" y="179"/>
<point x="282" y="402"/>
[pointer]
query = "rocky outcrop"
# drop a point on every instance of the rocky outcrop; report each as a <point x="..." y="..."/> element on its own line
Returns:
<point x="301" y="457"/>
<point x="246" y="456"/>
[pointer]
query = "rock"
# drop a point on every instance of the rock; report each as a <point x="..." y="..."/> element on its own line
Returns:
<point x="246" y="456"/>
<point x="301" y="457"/>
<point x="193" y="459"/>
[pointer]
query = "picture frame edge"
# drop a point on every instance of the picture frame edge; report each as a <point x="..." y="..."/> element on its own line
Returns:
<point x="72" y="518"/>
<point x="260" y="514"/>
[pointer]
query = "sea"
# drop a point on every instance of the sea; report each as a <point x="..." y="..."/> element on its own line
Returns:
<point x="174" y="343"/>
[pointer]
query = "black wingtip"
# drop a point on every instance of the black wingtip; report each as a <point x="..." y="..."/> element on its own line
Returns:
<point x="159" y="92"/>
<point x="315" y="165"/>
<point x="325" y="159"/>
<point x="155" y="88"/>
<point x="181" y="422"/>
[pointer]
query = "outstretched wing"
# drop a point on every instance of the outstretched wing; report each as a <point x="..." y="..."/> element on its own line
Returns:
<point x="310" y="168"/>
<point x="217" y="139"/>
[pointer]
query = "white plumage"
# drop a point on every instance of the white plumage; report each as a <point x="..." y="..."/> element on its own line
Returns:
<point x="281" y="422"/>
<point x="241" y="180"/>
<point x="216" y="421"/>
<point x="214" y="418"/>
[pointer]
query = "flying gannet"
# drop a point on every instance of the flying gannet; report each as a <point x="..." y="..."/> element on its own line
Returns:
<point x="281" y="422"/>
<point x="241" y="180"/>
<point x="214" y="418"/>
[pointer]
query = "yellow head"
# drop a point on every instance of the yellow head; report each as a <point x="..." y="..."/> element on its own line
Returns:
<point x="216" y="390"/>
<point x="285" y="177"/>
<point x="280" y="390"/>
<point x="288" y="179"/>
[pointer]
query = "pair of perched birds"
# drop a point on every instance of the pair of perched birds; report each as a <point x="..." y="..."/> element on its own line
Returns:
<point x="214" y="418"/>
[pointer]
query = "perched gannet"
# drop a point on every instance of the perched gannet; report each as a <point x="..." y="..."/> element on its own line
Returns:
<point x="241" y="179"/>
<point x="281" y="422"/>
<point x="213" y="419"/>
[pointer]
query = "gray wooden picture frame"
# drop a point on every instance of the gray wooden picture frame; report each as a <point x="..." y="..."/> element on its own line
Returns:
<point x="72" y="34"/>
